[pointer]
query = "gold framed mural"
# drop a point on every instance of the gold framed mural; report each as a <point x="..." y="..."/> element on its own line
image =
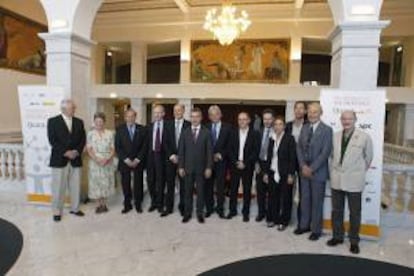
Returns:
<point x="246" y="60"/>
<point x="20" y="47"/>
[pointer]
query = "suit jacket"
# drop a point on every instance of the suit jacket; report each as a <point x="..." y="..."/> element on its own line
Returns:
<point x="250" y="151"/>
<point x="172" y="147"/>
<point x="62" y="140"/>
<point x="195" y="157"/>
<point x="125" y="148"/>
<point x="320" y="148"/>
<point x="350" y="175"/>
<point x="261" y="163"/>
<point x="286" y="155"/>
<point x="288" y="130"/>
<point x="223" y="140"/>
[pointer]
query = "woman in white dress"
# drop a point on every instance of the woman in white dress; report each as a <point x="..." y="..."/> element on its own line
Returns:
<point x="101" y="150"/>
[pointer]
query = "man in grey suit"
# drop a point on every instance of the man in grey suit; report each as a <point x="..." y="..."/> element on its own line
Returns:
<point x="313" y="151"/>
<point x="351" y="158"/>
<point x="195" y="162"/>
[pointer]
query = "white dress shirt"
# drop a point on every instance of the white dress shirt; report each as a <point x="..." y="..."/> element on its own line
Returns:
<point x="275" y="159"/>
<point x="296" y="129"/>
<point x="154" y="132"/>
<point x="68" y="121"/>
<point x="315" y="126"/>
<point x="242" y="142"/>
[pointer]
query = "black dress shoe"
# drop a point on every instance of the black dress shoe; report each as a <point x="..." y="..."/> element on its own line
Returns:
<point x="77" y="213"/>
<point x="57" y="218"/>
<point x="299" y="231"/>
<point x="271" y="224"/>
<point x="260" y="217"/>
<point x="230" y="216"/>
<point x="314" y="237"/>
<point x="138" y="209"/>
<point x="208" y="214"/>
<point x="126" y="209"/>
<point x="200" y="218"/>
<point x="186" y="219"/>
<point x="246" y="218"/>
<point x="165" y="213"/>
<point x="152" y="208"/>
<point x="334" y="242"/>
<point x="221" y="215"/>
<point x="354" y="249"/>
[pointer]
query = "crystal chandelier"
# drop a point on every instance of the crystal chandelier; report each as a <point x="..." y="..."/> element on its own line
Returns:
<point x="225" y="26"/>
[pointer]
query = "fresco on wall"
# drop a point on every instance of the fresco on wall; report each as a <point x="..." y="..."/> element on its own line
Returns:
<point x="249" y="60"/>
<point x="20" y="47"/>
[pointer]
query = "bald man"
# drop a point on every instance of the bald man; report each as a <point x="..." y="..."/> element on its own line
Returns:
<point x="351" y="158"/>
<point x="243" y="153"/>
<point x="67" y="137"/>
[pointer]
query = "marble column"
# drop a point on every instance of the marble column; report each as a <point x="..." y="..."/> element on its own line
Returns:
<point x="68" y="66"/>
<point x="185" y="71"/>
<point x="408" y="62"/>
<point x="289" y="111"/>
<point x="138" y="62"/>
<point x="295" y="60"/>
<point x="140" y="106"/>
<point x="408" y="125"/>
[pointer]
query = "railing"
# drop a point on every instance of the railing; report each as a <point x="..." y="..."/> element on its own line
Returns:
<point x="11" y="161"/>
<point x="398" y="169"/>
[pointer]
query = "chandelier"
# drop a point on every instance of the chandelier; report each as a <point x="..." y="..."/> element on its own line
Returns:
<point x="226" y="26"/>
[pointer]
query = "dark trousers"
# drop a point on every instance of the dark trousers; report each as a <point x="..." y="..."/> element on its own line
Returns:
<point x="279" y="208"/>
<point x="216" y="180"/>
<point x="171" y="174"/>
<point x="190" y="179"/>
<point x="246" y="177"/>
<point x="298" y="207"/>
<point x="261" y="192"/>
<point x="156" y="179"/>
<point x="338" y="206"/>
<point x="137" y="192"/>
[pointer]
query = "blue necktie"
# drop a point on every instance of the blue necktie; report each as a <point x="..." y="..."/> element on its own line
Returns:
<point x="131" y="133"/>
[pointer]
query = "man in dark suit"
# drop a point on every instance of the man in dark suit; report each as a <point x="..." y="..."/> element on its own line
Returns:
<point x="174" y="129"/>
<point x="261" y="187"/>
<point x="131" y="146"/>
<point x="244" y="151"/>
<point x="195" y="162"/>
<point x="157" y="158"/>
<point x="220" y="136"/>
<point x="313" y="151"/>
<point x="293" y="128"/>
<point x="67" y="137"/>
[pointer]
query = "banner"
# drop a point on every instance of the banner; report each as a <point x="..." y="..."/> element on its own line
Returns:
<point x="370" y="109"/>
<point x="37" y="105"/>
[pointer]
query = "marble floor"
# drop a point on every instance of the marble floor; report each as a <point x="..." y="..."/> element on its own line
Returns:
<point x="145" y="244"/>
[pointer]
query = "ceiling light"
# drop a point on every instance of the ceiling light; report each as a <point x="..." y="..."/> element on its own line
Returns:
<point x="226" y="26"/>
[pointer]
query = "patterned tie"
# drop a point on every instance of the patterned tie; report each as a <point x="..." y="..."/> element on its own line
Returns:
<point x="214" y="133"/>
<point x="194" y="134"/>
<point x="157" y="147"/>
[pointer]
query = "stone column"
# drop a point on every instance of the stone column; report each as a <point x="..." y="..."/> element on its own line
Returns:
<point x="295" y="60"/>
<point x="290" y="106"/>
<point x="138" y="62"/>
<point x="68" y="66"/>
<point x="140" y="106"/>
<point x="185" y="65"/>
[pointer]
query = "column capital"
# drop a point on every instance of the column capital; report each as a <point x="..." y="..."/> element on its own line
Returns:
<point x="66" y="42"/>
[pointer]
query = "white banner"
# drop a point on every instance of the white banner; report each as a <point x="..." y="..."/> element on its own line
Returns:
<point x="37" y="104"/>
<point x="370" y="109"/>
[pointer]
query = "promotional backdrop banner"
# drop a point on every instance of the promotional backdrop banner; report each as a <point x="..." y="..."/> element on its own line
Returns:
<point x="370" y="109"/>
<point x="37" y="104"/>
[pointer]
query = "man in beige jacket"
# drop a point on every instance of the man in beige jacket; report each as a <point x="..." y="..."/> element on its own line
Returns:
<point x="351" y="157"/>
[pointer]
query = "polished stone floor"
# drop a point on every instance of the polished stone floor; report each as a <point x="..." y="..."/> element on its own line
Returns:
<point x="145" y="244"/>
